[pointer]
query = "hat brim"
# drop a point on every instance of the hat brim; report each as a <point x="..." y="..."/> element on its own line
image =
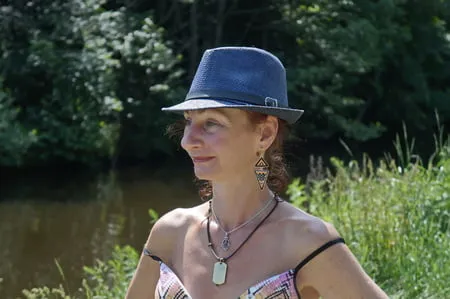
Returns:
<point x="288" y="114"/>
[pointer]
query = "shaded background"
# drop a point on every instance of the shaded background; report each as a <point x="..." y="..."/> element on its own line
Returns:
<point x="83" y="153"/>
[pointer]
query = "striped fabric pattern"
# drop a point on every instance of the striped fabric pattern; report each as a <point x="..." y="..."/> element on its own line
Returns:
<point x="281" y="286"/>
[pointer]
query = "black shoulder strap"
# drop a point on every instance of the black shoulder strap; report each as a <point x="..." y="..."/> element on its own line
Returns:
<point x="317" y="251"/>
<point x="148" y="253"/>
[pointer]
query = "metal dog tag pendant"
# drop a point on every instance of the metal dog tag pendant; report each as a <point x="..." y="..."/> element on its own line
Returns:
<point x="219" y="273"/>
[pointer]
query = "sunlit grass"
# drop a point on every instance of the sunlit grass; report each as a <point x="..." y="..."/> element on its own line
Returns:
<point x="106" y="279"/>
<point x="394" y="218"/>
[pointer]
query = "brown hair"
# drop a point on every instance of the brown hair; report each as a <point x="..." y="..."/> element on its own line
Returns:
<point x="278" y="179"/>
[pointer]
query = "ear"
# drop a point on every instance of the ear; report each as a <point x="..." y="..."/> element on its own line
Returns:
<point x="268" y="132"/>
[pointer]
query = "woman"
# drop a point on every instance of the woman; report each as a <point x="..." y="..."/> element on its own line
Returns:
<point x="245" y="241"/>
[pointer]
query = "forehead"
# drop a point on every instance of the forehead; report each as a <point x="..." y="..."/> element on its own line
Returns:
<point x="229" y="113"/>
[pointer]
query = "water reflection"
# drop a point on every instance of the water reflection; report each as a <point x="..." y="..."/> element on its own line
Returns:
<point x="77" y="221"/>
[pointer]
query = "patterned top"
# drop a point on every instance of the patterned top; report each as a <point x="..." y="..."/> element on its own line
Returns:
<point x="280" y="286"/>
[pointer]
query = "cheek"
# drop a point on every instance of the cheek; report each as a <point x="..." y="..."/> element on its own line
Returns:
<point x="219" y="145"/>
<point x="239" y="153"/>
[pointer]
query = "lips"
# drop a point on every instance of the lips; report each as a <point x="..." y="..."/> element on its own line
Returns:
<point x="201" y="159"/>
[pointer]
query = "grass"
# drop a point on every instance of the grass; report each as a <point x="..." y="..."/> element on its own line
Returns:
<point x="395" y="216"/>
<point x="395" y="220"/>
<point x="105" y="280"/>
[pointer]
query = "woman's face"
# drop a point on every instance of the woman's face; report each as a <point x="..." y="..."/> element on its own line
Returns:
<point x="220" y="142"/>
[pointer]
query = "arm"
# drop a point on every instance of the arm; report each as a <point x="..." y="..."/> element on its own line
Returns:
<point x="335" y="272"/>
<point x="160" y="242"/>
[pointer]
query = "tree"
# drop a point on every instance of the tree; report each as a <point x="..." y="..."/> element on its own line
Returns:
<point x="66" y="63"/>
<point x="364" y="67"/>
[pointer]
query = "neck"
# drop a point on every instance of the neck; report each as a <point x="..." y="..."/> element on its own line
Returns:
<point x="236" y="201"/>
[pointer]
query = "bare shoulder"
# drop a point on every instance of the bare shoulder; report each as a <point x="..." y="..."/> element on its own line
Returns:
<point x="170" y="228"/>
<point x="306" y="231"/>
<point x="334" y="272"/>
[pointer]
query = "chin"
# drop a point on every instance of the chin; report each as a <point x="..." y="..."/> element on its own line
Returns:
<point x="205" y="174"/>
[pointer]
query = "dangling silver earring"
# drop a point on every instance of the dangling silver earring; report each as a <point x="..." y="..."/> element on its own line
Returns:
<point x="261" y="171"/>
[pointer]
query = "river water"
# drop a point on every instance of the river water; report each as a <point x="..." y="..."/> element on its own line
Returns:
<point x="76" y="219"/>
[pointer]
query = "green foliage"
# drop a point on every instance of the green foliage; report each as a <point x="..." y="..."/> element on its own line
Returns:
<point x="395" y="219"/>
<point x="46" y="293"/>
<point x="15" y="140"/>
<point x="362" y="67"/>
<point x="89" y="77"/>
<point x="154" y="216"/>
<point x="110" y="279"/>
<point x="105" y="280"/>
<point x="78" y="72"/>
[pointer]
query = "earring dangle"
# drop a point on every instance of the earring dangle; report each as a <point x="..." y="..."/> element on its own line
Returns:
<point x="262" y="171"/>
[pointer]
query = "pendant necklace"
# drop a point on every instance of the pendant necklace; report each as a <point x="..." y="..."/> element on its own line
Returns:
<point x="226" y="242"/>
<point x="221" y="267"/>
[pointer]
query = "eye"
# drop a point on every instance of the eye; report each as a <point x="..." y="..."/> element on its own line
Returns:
<point x="211" y="125"/>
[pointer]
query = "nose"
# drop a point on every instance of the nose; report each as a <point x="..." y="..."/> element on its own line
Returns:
<point x="191" y="138"/>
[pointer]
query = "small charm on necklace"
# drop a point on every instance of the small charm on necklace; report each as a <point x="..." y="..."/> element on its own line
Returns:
<point x="226" y="243"/>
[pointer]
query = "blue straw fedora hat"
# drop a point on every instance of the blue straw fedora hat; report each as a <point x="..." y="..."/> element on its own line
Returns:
<point x="240" y="77"/>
